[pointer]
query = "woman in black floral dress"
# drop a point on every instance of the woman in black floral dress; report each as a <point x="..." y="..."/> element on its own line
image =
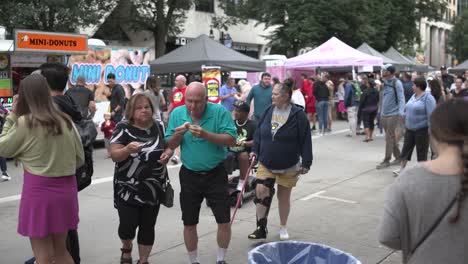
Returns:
<point x="138" y="150"/>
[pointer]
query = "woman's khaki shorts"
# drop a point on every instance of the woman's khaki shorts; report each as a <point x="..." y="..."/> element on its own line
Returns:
<point x="287" y="179"/>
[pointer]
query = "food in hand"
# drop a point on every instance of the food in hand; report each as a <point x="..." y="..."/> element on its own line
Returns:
<point x="187" y="125"/>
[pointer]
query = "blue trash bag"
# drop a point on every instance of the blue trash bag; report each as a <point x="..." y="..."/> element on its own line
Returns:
<point x="294" y="252"/>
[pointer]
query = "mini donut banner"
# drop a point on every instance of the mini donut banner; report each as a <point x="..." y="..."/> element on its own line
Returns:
<point x="211" y="77"/>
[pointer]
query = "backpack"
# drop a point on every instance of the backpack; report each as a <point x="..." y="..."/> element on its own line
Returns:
<point x="88" y="134"/>
<point x="357" y="92"/>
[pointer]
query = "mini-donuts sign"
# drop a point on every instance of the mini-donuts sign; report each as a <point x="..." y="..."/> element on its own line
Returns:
<point x="30" y="40"/>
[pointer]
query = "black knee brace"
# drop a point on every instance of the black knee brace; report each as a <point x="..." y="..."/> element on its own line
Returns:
<point x="270" y="184"/>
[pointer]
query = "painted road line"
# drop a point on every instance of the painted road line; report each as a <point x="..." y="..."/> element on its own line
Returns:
<point x="94" y="182"/>
<point x="335" y="199"/>
<point x="332" y="133"/>
<point x="10" y="198"/>
<point x="319" y="195"/>
<point x="308" y="197"/>
<point x="108" y="179"/>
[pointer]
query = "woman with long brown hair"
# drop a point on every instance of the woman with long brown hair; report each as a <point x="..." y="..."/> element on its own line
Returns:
<point x="425" y="213"/>
<point x="35" y="133"/>
<point x="437" y="92"/>
<point x="153" y="90"/>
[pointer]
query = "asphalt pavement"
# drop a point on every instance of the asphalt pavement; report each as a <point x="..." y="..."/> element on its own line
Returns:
<point x="338" y="203"/>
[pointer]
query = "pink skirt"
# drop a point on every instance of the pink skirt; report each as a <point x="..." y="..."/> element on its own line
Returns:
<point x="49" y="205"/>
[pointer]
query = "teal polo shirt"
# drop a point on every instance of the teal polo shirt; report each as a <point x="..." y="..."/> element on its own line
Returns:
<point x="198" y="154"/>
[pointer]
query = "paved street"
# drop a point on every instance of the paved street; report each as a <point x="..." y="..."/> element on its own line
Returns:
<point x="337" y="203"/>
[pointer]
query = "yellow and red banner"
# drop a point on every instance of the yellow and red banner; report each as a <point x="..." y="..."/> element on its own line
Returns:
<point x="211" y="77"/>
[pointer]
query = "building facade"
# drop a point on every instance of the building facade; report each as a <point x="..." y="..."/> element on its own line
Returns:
<point x="462" y="5"/>
<point x="434" y="36"/>
<point x="246" y="38"/>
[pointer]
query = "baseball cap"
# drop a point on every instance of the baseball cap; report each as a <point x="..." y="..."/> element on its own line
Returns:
<point x="389" y="67"/>
<point x="242" y="106"/>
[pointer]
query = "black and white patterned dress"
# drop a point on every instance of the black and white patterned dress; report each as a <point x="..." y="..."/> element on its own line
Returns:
<point x="139" y="179"/>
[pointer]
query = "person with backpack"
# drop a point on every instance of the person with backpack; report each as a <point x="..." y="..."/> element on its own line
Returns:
<point x="425" y="213"/>
<point x="36" y="133"/>
<point x="392" y="115"/>
<point x="350" y="104"/>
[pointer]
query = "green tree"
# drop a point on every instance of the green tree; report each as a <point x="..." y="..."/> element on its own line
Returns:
<point x="53" y="15"/>
<point x="165" y="18"/>
<point x="458" y="38"/>
<point x="381" y="23"/>
<point x="160" y="17"/>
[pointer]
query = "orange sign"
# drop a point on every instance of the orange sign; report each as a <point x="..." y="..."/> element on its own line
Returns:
<point x="50" y="42"/>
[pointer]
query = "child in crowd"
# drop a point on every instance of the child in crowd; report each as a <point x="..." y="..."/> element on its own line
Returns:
<point x="107" y="128"/>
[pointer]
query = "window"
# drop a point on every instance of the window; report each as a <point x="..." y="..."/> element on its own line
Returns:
<point x="232" y="7"/>
<point x="204" y="6"/>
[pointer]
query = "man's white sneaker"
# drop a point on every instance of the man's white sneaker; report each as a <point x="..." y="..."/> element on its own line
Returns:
<point x="283" y="233"/>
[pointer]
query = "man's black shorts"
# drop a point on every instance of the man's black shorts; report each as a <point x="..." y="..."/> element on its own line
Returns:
<point x="211" y="185"/>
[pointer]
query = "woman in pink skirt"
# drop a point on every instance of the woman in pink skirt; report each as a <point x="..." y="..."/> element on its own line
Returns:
<point x="49" y="146"/>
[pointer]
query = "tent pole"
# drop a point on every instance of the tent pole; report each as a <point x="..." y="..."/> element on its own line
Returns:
<point x="354" y="73"/>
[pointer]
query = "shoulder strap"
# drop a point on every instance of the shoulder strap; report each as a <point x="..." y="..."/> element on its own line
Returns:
<point x="434" y="226"/>
<point x="395" y="91"/>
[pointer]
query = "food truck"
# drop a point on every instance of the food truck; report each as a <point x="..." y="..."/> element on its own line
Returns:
<point x="29" y="49"/>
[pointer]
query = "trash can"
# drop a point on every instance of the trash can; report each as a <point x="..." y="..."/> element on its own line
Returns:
<point x="294" y="252"/>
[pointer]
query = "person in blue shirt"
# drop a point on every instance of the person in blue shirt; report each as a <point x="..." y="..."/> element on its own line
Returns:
<point x="203" y="131"/>
<point x="261" y="94"/>
<point x="418" y="112"/>
<point x="350" y="104"/>
<point x="392" y="115"/>
<point x="227" y="94"/>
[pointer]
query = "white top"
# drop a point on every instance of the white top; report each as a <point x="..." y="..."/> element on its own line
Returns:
<point x="298" y="98"/>
<point x="341" y="92"/>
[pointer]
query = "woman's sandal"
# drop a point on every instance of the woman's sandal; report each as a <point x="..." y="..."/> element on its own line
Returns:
<point x="126" y="260"/>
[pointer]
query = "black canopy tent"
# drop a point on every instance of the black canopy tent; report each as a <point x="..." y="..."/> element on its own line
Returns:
<point x="205" y="51"/>
<point x="460" y="68"/>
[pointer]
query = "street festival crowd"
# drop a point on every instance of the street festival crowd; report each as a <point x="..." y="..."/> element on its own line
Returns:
<point x="269" y="124"/>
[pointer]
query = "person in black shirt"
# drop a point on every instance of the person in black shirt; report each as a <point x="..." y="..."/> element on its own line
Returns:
<point x="369" y="106"/>
<point x="116" y="97"/>
<point x="322" y="95"/>
<point x="447" y="79"/>
<point x="245" y="132"/>
<point x="83" y="97"/>
<point x="458" y="92"/>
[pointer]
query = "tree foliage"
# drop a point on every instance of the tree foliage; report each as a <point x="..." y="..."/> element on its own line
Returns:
<point x="380" y="23"/>
<point x="458" y="39"/>
<point x="53" y="15"/>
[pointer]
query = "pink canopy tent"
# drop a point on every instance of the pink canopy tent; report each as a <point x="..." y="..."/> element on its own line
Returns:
<point x="333" y="53"/>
